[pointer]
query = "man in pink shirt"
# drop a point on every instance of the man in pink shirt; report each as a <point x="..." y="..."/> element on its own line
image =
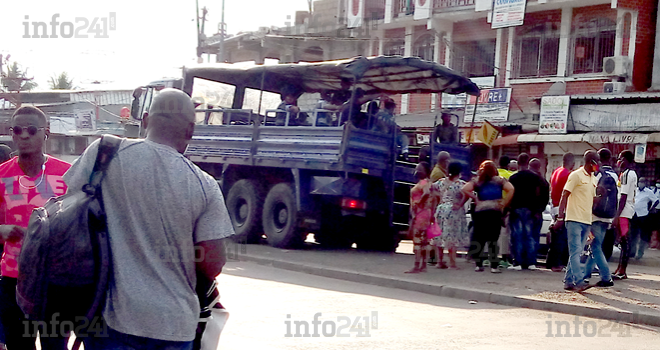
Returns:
<point x="26" y="182"/>
<point x="558" y="250"/>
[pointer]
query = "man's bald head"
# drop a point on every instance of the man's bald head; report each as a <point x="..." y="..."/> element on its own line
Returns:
<point x="443" y="159"/>
<point x="171" y="119"/>
<point x="173" y="104"/>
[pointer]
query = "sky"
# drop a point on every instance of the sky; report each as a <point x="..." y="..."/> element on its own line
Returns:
<point x="151" y="39"/>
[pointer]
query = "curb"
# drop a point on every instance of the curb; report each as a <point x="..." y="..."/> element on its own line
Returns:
<point x="461" y="293"/>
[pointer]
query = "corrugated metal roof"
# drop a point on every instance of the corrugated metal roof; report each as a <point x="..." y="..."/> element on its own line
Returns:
<point x="624" y="96"/>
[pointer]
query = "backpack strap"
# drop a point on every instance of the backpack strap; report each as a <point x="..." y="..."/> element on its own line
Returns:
<point x="108" y="147"/>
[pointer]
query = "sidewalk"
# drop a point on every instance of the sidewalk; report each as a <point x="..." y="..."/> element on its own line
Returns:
<point x="635" y="300"/>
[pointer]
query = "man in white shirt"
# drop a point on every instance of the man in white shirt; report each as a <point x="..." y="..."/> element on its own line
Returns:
<point x="627" y="189"/>
<point x="640" y="230"/>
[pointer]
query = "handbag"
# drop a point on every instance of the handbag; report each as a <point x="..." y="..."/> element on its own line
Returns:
<point x="434" y="230"/>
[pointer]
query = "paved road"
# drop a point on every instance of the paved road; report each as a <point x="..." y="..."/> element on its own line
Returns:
<point x="263" y="299"/>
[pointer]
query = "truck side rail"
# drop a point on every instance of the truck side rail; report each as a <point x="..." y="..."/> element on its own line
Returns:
<point x="344" y="148"/>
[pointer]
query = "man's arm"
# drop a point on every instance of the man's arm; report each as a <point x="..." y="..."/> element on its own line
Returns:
<point x="213" y="258"/>
<point x="562" y="205"/>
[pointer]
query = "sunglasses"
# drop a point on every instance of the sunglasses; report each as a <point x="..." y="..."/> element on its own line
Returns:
<point x="32" y="130"/>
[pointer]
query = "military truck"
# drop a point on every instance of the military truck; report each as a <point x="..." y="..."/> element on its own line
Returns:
<point x="283" y="182"/>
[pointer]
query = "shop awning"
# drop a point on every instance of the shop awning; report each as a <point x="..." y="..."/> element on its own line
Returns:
<point x="592" y="137"/>
<point x="506" y="140"/>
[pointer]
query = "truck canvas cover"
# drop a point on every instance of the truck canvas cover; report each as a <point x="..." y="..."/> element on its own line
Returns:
<point x="382" y="74"/>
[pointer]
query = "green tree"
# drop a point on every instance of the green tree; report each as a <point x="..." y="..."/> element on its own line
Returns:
<point x="16" y="80"/>
<point x="61" y="82"/>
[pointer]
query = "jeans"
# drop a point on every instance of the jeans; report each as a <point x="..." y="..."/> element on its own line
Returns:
<point x="402" y="141"/>
<point x="577" y="236"/>
<point x="598" y="228"/>
<point x="640" y="236"/>
<point x="121" y="341"/>
<point x="525" y="233"/>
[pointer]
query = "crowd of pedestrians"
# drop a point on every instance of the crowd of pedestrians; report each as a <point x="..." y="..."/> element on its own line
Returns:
<point x="594" y="207"/>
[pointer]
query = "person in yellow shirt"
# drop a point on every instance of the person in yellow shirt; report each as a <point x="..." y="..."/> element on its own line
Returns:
<point x="575" y="211"/>
<point x="440" y="169"/>
<point x="503" y="170"/>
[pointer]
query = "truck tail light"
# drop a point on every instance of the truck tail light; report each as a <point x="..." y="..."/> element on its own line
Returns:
<point x="350" y="203"/>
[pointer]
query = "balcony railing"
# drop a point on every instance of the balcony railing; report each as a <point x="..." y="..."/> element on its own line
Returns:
<point x="407" y="7"/>
<point x="444" y="4"/>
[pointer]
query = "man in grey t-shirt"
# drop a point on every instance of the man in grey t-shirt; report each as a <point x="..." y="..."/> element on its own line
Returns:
<point x="161" y="209"/>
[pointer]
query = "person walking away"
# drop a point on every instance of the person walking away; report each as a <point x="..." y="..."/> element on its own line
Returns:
<point x="604" y="210"/>
<point x="505" y="233"/>
<point x="627" y="186"/>
<point x="423" y="201"/>
<point x="487" y="191"/>
<point x="166" y="222"/>
<point x="529" y="200"/>
<point x="451" y="215"/>
<point x="558" y="248"/>
<point x="640" y="225"/>
<point x="575" y="211"/>
<point x="544" y="200"/>
<point x="440" y="169"/>
<point x="28" y="181"/>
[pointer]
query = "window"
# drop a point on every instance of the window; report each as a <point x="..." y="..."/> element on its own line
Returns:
<point x="592" y="40"/>
<point x="423" y="47"/>
<point x="396" y="47"/>
<point x="474" y="58"/>
<point x="538" y="51"/>
<point x="211" y="95"/>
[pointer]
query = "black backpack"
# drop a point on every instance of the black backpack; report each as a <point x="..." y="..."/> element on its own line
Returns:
<point x="607" y="192"/>
<point x="67" y="244"/>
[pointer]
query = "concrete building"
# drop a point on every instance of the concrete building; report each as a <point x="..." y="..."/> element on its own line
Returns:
<point x="600" y="53"/>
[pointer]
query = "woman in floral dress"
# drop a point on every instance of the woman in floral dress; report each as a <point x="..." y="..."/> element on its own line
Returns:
<point x="450" y="214"/>
<point x="423" y="200"/>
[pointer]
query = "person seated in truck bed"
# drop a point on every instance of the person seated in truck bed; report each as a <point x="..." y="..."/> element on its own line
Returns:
<point x="446" y="132"/>
<point x="290" y="105"/>
<point x="384" y="122"/>
<point x="327" y="103"/>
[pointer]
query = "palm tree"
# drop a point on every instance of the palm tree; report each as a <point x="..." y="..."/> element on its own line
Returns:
<point x="61" y="82"/>
<point x="16" y="80"/>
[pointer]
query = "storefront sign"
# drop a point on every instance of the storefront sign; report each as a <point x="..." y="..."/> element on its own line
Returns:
<point x="508" y="13"/>
<point x="85" y="120"/>
<point x="493" y="105"/>
<point x="615" y="138"/>
<point x="459" y="101"/>
<point x="638" y="117"/>
<point x="554" y="114"/>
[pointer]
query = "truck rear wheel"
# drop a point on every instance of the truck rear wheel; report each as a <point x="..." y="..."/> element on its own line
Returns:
<point x="280" y="217"/>
<point x="244" y="201"/>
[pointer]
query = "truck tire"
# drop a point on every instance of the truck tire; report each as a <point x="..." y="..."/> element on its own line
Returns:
<point x="280" y="217"/>
<point x="244" y="202"/>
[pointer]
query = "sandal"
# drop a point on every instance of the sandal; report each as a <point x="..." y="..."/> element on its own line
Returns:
<point x="414" y="270"/>
<point x="441" y="265"/>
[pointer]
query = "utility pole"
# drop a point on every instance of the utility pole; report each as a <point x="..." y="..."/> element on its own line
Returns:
<point x="221" y="51"/>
